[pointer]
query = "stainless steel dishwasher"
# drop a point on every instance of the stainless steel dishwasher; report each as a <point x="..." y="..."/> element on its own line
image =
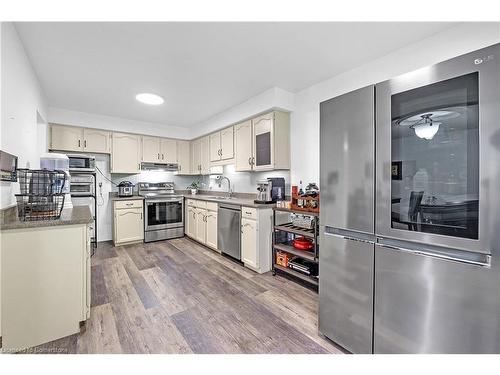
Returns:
<point x="229" y="230"/>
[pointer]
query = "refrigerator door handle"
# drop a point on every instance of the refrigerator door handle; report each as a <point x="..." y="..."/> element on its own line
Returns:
<point x="452" y="255"/>
<point x="350" y="234"/>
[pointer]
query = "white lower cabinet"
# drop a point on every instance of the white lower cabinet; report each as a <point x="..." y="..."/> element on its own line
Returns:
<point x="201" y="226"/>
<point x="211" y="225"/>
<point x="249" y="242"/>
<point x="128" y="221"/>
<point x="190" y="216"/>
<point x="256" y="238"/>
<point x="45" y="283"/>
<point x="201" y="222"/>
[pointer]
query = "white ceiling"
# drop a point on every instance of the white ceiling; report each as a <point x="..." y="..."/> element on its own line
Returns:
<point x="200" y="69"/>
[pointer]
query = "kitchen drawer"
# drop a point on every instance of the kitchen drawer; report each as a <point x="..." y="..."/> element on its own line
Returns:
<point x="212" y="206"/>
<point x="200" y="204"/>
<point x="249" y="213"/>
<point x="136" y="203"/>
<point x="190" y="203"/>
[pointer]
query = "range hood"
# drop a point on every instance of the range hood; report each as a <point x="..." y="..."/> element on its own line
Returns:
<point x="159" y="167"/>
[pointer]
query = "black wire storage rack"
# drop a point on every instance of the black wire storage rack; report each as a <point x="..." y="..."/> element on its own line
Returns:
<point x="41" y="194"/>
<point x="93" y="240"/>
<point x="282" y="233"/>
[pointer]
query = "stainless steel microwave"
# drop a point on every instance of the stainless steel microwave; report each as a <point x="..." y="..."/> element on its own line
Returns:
<point x="81" y="163"/>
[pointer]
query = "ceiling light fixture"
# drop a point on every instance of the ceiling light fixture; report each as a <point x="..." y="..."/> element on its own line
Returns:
<point x="426" y="125"/>
<point x="426" y="130"/>
<point x="151" y="99"/>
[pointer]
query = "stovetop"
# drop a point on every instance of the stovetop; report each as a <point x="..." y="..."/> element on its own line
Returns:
<point x="157" y="189"/>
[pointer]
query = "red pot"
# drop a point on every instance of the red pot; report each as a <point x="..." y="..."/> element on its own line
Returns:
<point x="302" y="243"/>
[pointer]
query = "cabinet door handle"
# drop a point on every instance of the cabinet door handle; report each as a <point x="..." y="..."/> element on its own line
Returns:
<point x="78" y="143"/>
<point x="250" y="160"/>
<point x="158" y="156"/>
<point x="141" y="215"/>
<point x="162" y="156"/>
<point x="85" y="143"/>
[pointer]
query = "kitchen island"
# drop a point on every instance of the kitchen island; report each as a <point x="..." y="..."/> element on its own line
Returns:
<point x="45" y="277"/>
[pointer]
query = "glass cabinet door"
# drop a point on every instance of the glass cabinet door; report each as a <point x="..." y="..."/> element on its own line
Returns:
<point x="435" y="158"/>
<point x="263" y="140"/>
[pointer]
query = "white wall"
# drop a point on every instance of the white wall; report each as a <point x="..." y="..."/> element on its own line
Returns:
<point x="91" y="120"/>
<point x="274" y="98"/>
<point x="23" y="108"/>
<point x="452" y="42"/>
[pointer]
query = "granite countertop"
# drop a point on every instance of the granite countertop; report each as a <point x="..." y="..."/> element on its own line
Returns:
<point x="238" y="199"/>
<point x="69" y="216"/>
<point x="113" y="195"/>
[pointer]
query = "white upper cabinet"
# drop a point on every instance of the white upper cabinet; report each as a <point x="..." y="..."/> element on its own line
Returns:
<point x="66" y="138"/>
<point x="151" y="152"/>
<point x="204" y="155"/>
<point x="125" y="153"/>
<point x="72" y="138"/>
<point x="221" y="145"/>
<point x="263" y="138"/>
<point x="227" y="143"/>
<point x="96" y="141"/>
<point x="184" y="157"/>
<point x="262" y="143"/>
<point x="243" y="146"/>
<point x="271" y="141"/>
<point x="196" y="156"/>
<point x="168" y="150"/>
<point x="214" y="146"/>
<point x="159" y="150"/>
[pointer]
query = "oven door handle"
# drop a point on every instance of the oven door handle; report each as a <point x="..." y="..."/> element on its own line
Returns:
<point x="151" y="202"/>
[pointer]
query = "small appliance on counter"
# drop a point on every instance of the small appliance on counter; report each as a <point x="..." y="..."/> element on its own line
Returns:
<point x="270" y="190"/>
<point x="81" y="163"/>
<point x="125" y="189"/>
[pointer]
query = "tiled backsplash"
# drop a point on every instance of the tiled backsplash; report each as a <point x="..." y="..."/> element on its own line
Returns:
<point x="241" y="182"/>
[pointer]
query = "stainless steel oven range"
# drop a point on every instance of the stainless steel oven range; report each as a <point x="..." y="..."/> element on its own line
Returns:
<point x="163" y="211"/>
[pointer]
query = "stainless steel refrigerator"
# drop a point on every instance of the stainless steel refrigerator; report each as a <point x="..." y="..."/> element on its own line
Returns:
<point x="410" y="211"/>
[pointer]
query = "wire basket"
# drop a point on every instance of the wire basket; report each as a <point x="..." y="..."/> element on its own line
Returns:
<point x="41" y="182"/>
<point x="302" y="221"/>
<point x="39" y="207"/>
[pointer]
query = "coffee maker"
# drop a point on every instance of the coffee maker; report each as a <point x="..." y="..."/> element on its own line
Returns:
<point x="270" y="190"/>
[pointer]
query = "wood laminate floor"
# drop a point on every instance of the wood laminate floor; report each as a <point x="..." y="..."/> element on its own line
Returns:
<point x="179" y="297"/>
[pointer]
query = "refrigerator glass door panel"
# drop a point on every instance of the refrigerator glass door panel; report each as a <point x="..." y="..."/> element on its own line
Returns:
<point x="429" y="305"/>
<point x="347" y="160"/>
<point x="436" y="131"/>
<point x="346" y="292"/>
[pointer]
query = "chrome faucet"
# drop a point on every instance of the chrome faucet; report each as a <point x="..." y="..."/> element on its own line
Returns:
<point x="220" y="179"/>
